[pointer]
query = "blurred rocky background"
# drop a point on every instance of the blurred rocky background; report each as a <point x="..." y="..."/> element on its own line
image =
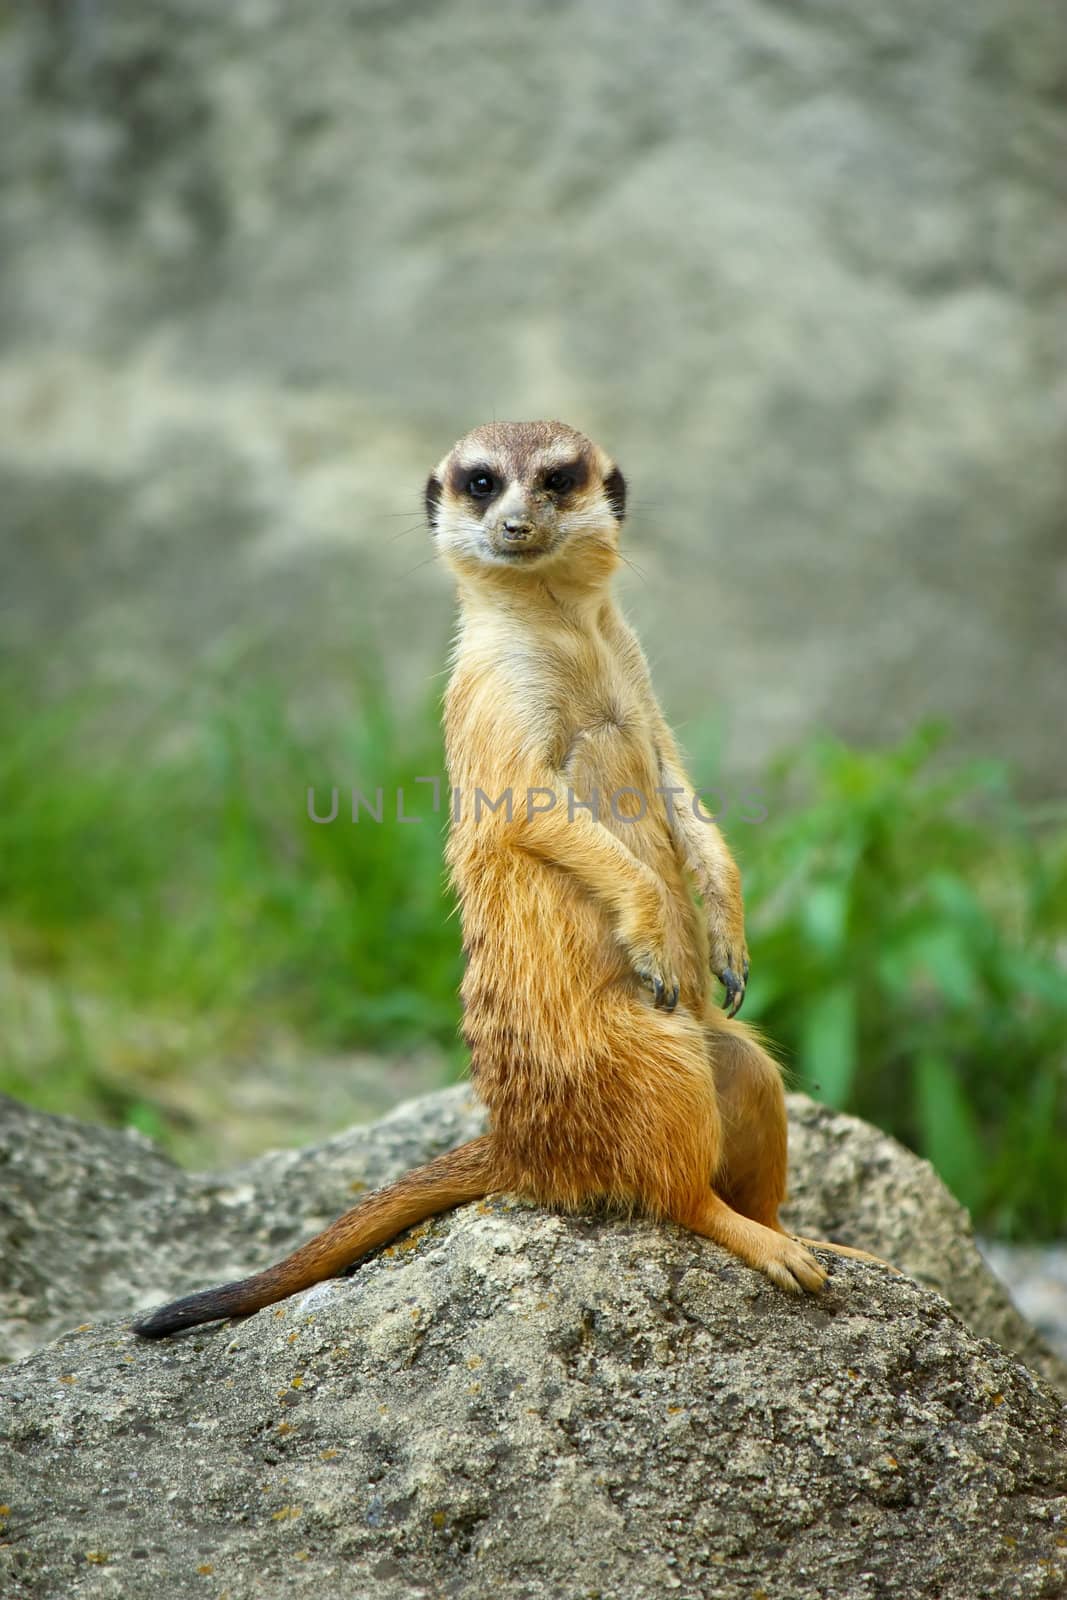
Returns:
<point x="801" y="266"/>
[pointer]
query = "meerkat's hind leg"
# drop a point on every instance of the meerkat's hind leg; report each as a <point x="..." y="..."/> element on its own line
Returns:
<point x="752" y="1168"/>
<point x="777" y="1255"/>
<point x="751" y="1175"/>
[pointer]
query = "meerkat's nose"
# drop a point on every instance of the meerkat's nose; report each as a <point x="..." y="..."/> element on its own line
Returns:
<point x="517" y="529"/>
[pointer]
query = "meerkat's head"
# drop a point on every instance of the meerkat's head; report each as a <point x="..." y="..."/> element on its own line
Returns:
<point x="532" y="497"/>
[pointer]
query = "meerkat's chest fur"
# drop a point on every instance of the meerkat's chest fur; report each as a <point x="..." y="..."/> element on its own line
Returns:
<point x="609" y="756"/>
<point x="576" y="693"/>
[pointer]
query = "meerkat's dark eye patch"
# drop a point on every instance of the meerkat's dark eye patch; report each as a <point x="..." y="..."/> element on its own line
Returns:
<point x="478" y="482"/>
<point x="564" y="479"/>
<point x="615" y="493"/>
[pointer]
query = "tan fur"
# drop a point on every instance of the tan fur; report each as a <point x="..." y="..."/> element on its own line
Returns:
<point x="579" y="932"/>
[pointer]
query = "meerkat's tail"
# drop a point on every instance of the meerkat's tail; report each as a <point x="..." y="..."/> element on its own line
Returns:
<point x="450" y="1180"/>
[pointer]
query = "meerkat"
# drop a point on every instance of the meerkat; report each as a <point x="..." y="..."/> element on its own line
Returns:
<point x="608" y="1071"/>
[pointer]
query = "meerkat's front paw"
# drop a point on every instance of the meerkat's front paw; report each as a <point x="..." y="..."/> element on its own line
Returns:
<point x="729" y="963"/>
<point x="642" y="934"/>
<point x="735" y="984"/>
<point x="655" y="974"/>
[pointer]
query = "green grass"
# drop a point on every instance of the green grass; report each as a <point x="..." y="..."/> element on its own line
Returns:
<point x="182" y="879"/>
<point x="172" y="898"/>
<point x="908" y="929"/>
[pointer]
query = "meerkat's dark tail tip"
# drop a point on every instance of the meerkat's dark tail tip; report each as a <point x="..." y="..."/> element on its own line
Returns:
<point x="447" y="1181"/>
<point x="210" y="1305"/>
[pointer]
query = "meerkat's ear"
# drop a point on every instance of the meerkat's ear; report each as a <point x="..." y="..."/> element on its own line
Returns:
<point x="432" y="496"/>
<point x="615" y="492"/>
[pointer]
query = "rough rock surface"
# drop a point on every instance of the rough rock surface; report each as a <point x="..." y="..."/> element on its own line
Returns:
<point x="97" y="1223"/>
<point x="505" y="1401"/>
<point x="800" y="266"/>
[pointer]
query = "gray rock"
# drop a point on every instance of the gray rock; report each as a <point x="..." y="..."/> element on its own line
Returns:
<point x="519" y="1404"/>
<point x="851" y="1182"/>
<point x="801" y="267"/>
<point x="506" y="1401"/>
<point x="96" y="1223"/>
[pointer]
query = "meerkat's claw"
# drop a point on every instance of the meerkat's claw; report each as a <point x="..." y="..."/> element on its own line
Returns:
<point x="735" y="988"/>
<point x="664" y="990"/>
<point x="664" y="995"/>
